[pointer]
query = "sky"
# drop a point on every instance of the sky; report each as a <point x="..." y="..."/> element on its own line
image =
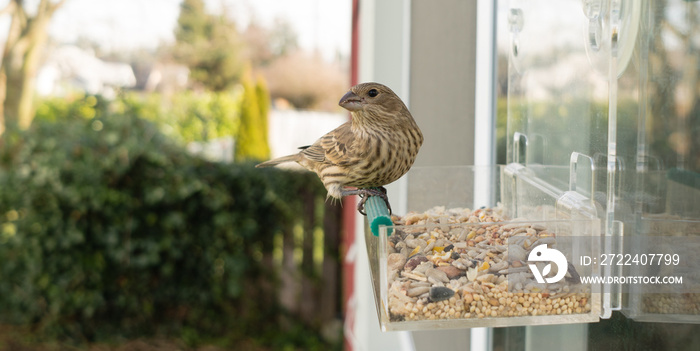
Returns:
<point x="128" y="24"/>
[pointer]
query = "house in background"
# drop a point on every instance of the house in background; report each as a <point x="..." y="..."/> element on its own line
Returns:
<point x="163" y="78"/>
<point x="69" y="68"/>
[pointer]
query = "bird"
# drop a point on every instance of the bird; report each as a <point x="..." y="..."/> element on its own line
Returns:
<point x="376" y="147"/>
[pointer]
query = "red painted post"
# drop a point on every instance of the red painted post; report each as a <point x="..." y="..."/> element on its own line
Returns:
<point x="349" y="203"/>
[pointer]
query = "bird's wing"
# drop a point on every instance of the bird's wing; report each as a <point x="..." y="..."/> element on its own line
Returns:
<point x="332" y="147"/>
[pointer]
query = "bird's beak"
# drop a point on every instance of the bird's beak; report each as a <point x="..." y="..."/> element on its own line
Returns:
<point x="350" y="102"/>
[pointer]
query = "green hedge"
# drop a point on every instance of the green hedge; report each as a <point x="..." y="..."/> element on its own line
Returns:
<point x="183" y="116"/>
<point x="107" y="227"/>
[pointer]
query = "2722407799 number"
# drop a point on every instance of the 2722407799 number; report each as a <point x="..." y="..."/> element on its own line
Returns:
<point x="640" y="259"/>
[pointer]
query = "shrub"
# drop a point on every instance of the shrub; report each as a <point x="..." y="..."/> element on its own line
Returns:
<point x="307" y="81"/>
<point x="189" y="116"/>
<point x="252" y="143"/>
<point x="108" y="228"/>
<point x="184" y="116"/>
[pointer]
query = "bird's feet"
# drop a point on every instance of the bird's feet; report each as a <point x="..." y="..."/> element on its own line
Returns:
<point x="365" y="193"/>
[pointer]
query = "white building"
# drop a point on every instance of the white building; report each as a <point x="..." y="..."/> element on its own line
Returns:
<point x="70" y="68"/>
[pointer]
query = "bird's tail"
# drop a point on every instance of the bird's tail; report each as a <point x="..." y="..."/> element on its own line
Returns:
<point x="277" y="161"/>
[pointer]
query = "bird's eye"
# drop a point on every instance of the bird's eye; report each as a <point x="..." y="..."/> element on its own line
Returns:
<point x="373" y="93"/>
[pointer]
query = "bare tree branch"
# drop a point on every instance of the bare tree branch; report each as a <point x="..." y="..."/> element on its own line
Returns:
<point x="46" y="7"/>
<point x="21" y="59"/>
<point x="20" y="13"/>
<point x="10" y="7"/>
<point x="56" y="5"/>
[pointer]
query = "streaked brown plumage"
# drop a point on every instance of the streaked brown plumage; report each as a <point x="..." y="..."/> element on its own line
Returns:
<point x="375" y="148"/>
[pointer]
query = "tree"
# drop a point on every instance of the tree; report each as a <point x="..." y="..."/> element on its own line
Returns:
<point x="283" y="38"/>
<point x="26" y="38"/>
<point x="252" y="142"/>
<point x="209" y="45"/>
<point x="263" y="96"/>
<point x="306" y="81"/>
<point x="266" y="45"/>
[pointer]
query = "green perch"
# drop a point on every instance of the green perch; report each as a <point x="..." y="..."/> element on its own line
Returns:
<point x="378" y="215"/>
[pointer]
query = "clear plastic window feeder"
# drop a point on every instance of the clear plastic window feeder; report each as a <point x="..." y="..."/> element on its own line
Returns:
<point x="457" y="261"/>
<point x="601" y="185"/>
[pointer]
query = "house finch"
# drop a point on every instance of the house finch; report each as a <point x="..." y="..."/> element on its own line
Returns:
<point x="376" y="147"/>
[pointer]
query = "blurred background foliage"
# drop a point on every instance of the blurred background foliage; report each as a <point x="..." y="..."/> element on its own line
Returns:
<point x="251" y="143"/>
<point x="209" y="45"/>
<point x="184" y="116"/>
<point x="110" y="229"/>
